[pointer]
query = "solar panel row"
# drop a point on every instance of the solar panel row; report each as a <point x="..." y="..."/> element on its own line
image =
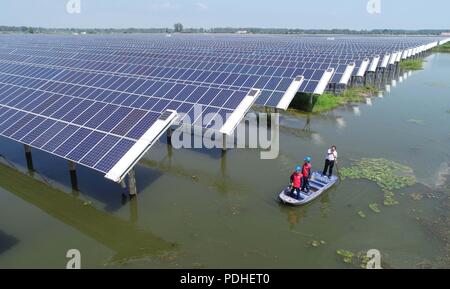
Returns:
<point x="101" y="101"/>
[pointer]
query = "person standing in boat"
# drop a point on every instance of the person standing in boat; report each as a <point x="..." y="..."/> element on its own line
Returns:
<point x="296" y="182"/>
<point x="330" y="161"/>
<point x="306" y="174"/>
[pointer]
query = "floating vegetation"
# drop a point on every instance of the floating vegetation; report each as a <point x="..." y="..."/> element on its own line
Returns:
<point x="416" y="121"/>
<point x="416" y="196"/>
<point x="347" y="256"/>
<point x="363" y="259"/>
<point x="389" y="199"/>
<point x="362" y="215"/>
<point x="316" y="243"/>
<point x="375" y="208"/>
<point x="388" y="175"/>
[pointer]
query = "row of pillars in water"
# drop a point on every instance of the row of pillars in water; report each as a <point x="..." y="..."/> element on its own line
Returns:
<point x="132" y="186"/>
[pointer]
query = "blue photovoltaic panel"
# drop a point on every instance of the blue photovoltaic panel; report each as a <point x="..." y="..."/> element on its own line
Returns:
<point x="90" y="98"/>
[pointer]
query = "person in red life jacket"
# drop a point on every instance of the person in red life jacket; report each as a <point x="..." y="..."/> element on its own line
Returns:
<point x="306" y="174"/>
<point x="296" y="183"/>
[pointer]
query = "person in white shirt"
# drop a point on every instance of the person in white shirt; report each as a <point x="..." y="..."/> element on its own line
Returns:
<point x="330" y="161"/>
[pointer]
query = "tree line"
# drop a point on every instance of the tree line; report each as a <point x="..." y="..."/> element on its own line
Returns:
<point x="178" y="28"/>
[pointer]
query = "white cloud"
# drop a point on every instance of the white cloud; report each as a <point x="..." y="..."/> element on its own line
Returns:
<point x="201" y="6"/>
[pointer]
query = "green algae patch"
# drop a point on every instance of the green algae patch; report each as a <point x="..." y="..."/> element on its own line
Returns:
<point x="347" y="256"/>
<point x="374" y="208"/>
<point x="362" y="214"/>
<point x="388" y="175"/>
<point x="416" y="196"/>
<point x="389" y="199"/>
<point x="317" y="243"/>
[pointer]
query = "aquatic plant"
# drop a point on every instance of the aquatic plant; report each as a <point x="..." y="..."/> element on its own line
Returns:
<point x="388" y="175"/>
<point x="416" y="196"/>
<point x="347" y="256"/>
<point x="374" y="207"/>
<point x="389" y="199"/>
<point x="316" y="243"/>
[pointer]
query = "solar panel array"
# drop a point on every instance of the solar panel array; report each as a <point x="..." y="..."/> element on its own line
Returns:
<point x="89" y="99"/>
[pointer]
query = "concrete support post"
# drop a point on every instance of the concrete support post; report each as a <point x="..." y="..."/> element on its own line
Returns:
<point x="169" y="136"/>
<point x="73" y="176"/>
<point x="132" y="188"/>
<point x="29" y="158"/>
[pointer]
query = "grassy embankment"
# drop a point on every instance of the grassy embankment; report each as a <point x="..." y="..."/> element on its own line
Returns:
<point x="329" y="101"/>
<point x="412" y="64"/>
<point x="443" y="48"/>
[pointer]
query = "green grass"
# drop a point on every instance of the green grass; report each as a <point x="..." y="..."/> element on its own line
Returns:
<point x="412" y="64"/>
<point x="443" y="48"/>
<point x="329" y="101"/>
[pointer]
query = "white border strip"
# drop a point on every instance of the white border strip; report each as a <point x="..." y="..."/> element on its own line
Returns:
<point x="137" y="151"/>
<point x="393" y="58"/>
<point x="347" y="73"/>
<point x="373" y="66"/>
<point x="385" y="61"/>
<point x="363" y="68"/>
<point x="290" y="93"/>
<point x="239" y="113"/>
<point x="326" y="77"/>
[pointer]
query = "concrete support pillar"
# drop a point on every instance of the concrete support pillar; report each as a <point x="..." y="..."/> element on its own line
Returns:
<point x="223" y="163"/>
<point x="29" y="158"/>
<point x="132" y="188"/>
<point x="224" y="142"/>
<point x="73" y="176"/>
<point x="169" y="136"/>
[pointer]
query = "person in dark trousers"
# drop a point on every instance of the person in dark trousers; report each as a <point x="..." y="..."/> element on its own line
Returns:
<point x="306" y="174"/>
<point x="296" y="181"/>
<point x="330" y="161"/>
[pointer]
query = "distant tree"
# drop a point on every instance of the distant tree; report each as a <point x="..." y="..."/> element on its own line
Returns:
<point x="30" y="30"/>
<point x="178" y="27"/>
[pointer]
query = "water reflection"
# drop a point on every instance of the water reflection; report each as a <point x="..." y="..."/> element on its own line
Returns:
<point x="7" y="242"/>
<point x="125" y="238"/>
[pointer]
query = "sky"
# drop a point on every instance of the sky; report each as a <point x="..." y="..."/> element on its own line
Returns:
<point x="311" y="14"/>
